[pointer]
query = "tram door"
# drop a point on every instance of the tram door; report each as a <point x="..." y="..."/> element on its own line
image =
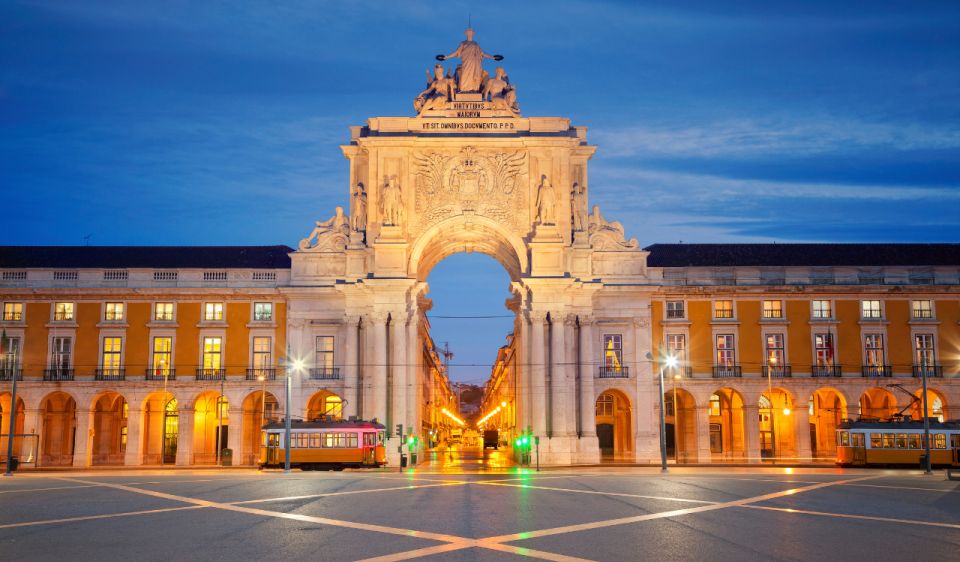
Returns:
<point x="857" y="443"/>
<point x="369" y="448"/>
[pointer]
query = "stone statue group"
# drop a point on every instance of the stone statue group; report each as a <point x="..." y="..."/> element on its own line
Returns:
<point x="469" y="77"/>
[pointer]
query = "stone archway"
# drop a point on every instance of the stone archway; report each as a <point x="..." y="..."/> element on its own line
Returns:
<point x="110" y="411"/>
<point x="776" y="423"/>
<point x="727" y="428"/>
<point x="878" y="403"/>
<point x="936" y="405"/>
<point x="6" y="410"/>
<point x="681" y="424"/>
<point x="259" y="408"/>
<point x="614" y="425"/>
<point x="828" y="408"/>
<point x="210" y="427"/>
<point x="160" y="428"/>
<point x="324" y="403"/>
<point x="59" y="411"/>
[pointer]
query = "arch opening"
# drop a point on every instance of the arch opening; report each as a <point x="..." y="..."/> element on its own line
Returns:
<point x="110" y="413"/>
<point x="727" y="429"/>
<point x="325" y="403"/>
<point x="827" y="408"/>
<point x="211" y="427"/>
<point x="259" y="407"/>
<point x="6" y="410"/>
<point x="680" y="410"/>
<point x="59" y="412"/>
<point x="468" y="234"/>
<point x="614" y="425"/>
<point x="777" y="426"/>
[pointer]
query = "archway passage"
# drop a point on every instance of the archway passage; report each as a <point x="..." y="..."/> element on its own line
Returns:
<point x="727" y="432"/>
<point x="325" y="403"/>
<point x="878" y="403"/>
<point x="936" y="405"/>
<point x="614" y="425"/>
<point x="6" y="411"/>
<point x="109" y="429"/>
<point x="468" y="234"/>
<point x="777" y="427"/>
<point x="259" y="407"/>
<point x="828" y="407"/>
<point x="681" y="425"/>
<point x="59" y="412"/>
<point x="211" y="427"/>
<point x="160" y="424"/>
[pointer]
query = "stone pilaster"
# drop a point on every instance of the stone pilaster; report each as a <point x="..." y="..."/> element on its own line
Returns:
<point x="184" y="436"/>
<point x="751" y="430"/>
<point x="378" y="370"/>
<point x="538" y="387"/>
<point x="413" y="360"/>
<point x="398" y="367"/>
<point x="83" y="445"/>
<point x="350" y="366"/>
<point x="801" y="418"/>
<point x="133" y="455"/>
<point x="588" y="419"/>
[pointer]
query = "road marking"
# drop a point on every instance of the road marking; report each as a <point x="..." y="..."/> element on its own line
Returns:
<point x="45" y="489"/>
<point x="852" y="516"/>
<point x="345" y="493"/>
<point x="905" y="488"/>
<point x="105" y="516"/>
<point x="595" y="492"/>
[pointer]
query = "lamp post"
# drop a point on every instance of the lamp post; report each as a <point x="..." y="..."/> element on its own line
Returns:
<point x="670" y="361"/>
<point x="928" y="465"/>
<point x="220" y="403"/>
<point x="297" y="366"/>
<point x="13" y="409"/>
<point x="676" y="421"/>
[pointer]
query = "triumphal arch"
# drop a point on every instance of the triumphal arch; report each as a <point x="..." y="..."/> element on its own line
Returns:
<point x="469" y="172"/>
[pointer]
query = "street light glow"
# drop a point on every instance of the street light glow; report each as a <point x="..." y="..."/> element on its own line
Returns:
<point x="671" y="361"/>
<point x="450" y="415"/>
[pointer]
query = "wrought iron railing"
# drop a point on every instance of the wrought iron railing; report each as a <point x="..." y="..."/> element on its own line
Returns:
<point x="110" y="374"/>
<point x="210" y="374"/>
<point x="727" y="372"/>
<point x="324" y="373"/>
<point x="877" y="371"/>
<point x="777" y="371"/>
<point x="261" y="372"/>
<point x="935" y="371"/>
<point x="826" y="371"/>
<point x="613" y="372"/>
<point x="59" y="374"/>
<point x="160" y="374"/>
<point x="7" y="373"/>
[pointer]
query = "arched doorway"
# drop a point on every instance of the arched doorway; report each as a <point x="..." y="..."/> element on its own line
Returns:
<point x="325" y="403"/>
<point x="109" y="429"/>
<point x="936" y="405"/>
<point x="161" y="426"/>
<point x="726" y="428"/>
<point x="211" y="427"/>
<point x="259" y="407"/>
<point x="878" y="403"/>
<point x="827" y="408"/>
<point x="681" y="425"/>
<point x="5" y="412"/>
<point x="777" y="433"/>
<point x="59" y="412"/>
<point x="614" y="427"/>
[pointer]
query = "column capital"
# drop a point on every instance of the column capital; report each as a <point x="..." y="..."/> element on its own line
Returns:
<point x="570" y="320"/>
<point x="377" y="317"/>
<point x="537" y="316"/>
<point x="585" y="320"/>
<point x="641" y="322"/>
<point x="351" y="319"/>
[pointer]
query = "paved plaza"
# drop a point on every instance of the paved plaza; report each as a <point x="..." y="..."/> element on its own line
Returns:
<point x="456" y="508"/>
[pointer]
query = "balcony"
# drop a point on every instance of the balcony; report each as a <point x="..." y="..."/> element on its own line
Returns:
<point x="211" y="374"/>
<point x="826" y="371"/>
<point x="7" y="373"/>
<point x="268" y="374"/>
<point x="324" y="373"/>
<point x="777" y="371"/>
<point x="110" y="374"/>
<point x="611" y="372"/>
<point x="871" y="371"/>
<point x="728" y="372"/>
<point x="934" y="371"/>
<point x="60" y="374"/>
<point x="685" y="372"/>
<point x="160" y="374"/>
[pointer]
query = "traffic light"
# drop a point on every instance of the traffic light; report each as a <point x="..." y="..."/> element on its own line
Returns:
<point x="412" y="440"/>
<point x="400" y="430"/>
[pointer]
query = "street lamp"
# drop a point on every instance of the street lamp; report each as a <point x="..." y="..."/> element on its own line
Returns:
<point x="13" y="405"/>
<point x="676" y="421"/>
<point x="669" y="361"/>
<point x="772" y="364"/>
<point x="297" y="366"/>
<point x="928" y="468"/>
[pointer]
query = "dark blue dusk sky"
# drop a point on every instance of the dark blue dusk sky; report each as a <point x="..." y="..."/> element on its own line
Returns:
<point x="141" y="123"/>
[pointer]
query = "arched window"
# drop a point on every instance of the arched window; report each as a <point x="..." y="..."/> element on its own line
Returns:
<point x="605" y="405"/>
<point x="714" y="405"/>
<point x="333" y="406"/>
<point x="764" y="402"/>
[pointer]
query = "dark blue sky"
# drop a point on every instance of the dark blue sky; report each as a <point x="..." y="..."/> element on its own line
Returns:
<point x="218" y="123"/>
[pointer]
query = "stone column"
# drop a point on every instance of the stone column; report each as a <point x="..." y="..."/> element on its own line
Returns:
<point x="522" y="375"/>
<point x="350" y="366"/>
<point x="184" y="436"/>
<point x="751" y="429"/>
<point x="133" y="456"/>
<point x="588" y="418"/>
<point x="413" y="375"/>
<point x="236" y="424"/>
<point x="83" y="445"/>
<point x="32" y="418"/>
<point x="801" y="430"/>
<point x="538" y="387"/>
<point x="377" y="371"/>
<point x="703" y="433"/>
<point x="398" y="366"/>
<point x="559" y="385"/>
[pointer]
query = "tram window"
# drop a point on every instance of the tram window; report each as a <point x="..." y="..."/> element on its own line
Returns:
<point x="351" y="440"/>
<point x="901" y="440"/>
<point x="314" y="440"/>
<point x="328" y="440"/>
<point x="379" y="438"/>
<point x="887" y="440"/>
<point x="304" y="440"/>
<point x="369" y="439"/>
<point x="914" y="440"/>
<point x="939" y="441"/>
<point x="875" y="441"/>
<point x="843" y="438"/>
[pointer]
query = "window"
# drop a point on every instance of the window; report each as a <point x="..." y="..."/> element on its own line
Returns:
<point x="112" y="355"/>
<point x="213" y="311"/>
<point x="60" y="354"/>
<point x="333" y="407"/>
<point x="913" y="440"/>
<point x="775" y="353"/>
<point x="888" y="441"/>
<point x="870" y="309"/>
<point x="822" y="309"/>
<point x="823" y="346"/>
<point x="723" y="309"/>
<point x="873" y="350"/>
<point x="677" y="347"/>
<point x="923" y="350"/>
<point x="12" y="311"/>
<point x="324" y="354"/>
<point x="939" y="441"/>
<point x="314" y="440"/>
<point x="726" y="356"/>
<point x="263" y="312"/>
<point x="162" y="355"/>
<point x="11" y="355"/>
<point x="922" y="309"/>
<point x="262" y="353"/>
<point x="113" y="312"/>
<point x="843" y="438"/>
<point x="876" y="442"/>
<point x="714" y="405"/>
<point x="163" y="312"/>
<point x="773" y="309"/>
<point x="605" y="405"/>
<point x="613" y="351"/>
<point x="63" y="311"/>
<point x="212" y="353"/>
<point x="675" y="309"/>
<point x="901" y="441"/>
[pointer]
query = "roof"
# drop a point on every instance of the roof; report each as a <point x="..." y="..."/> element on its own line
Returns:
<point x="326" y="424"/>
<point x="760" y="255"/>
<point x="206" y="257"/>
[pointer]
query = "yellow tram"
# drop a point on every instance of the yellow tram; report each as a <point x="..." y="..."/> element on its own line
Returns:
<point x="324" y="444"/>
<point x="887" y="443"/>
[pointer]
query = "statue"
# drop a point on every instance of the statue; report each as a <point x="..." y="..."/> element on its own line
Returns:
<point x="499" y="91"/>
<point x="578" y="206"/>
<point x="440" y="90"/>
<point x="359" y="217"/>
<point x="546" y="202"/>
<point x="329" y="234"/>
<point x="391" y="202"/>
<point x="470" y="72"/>
<point x="608" y="235"/>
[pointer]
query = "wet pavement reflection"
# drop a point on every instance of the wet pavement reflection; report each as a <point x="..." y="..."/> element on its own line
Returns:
<point x="462" y="458"/>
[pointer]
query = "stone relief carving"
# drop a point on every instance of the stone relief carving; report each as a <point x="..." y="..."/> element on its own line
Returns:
<point x="546" y="202"/>
<point x="358" y="220"/>
<point x="482" y="183"/>
<point x="328" y="236"/>
<point x="578" y="207"/>
<point x="391" y="202"/>
<point x="469" y="72"/>
<point x="608" y="235"/>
